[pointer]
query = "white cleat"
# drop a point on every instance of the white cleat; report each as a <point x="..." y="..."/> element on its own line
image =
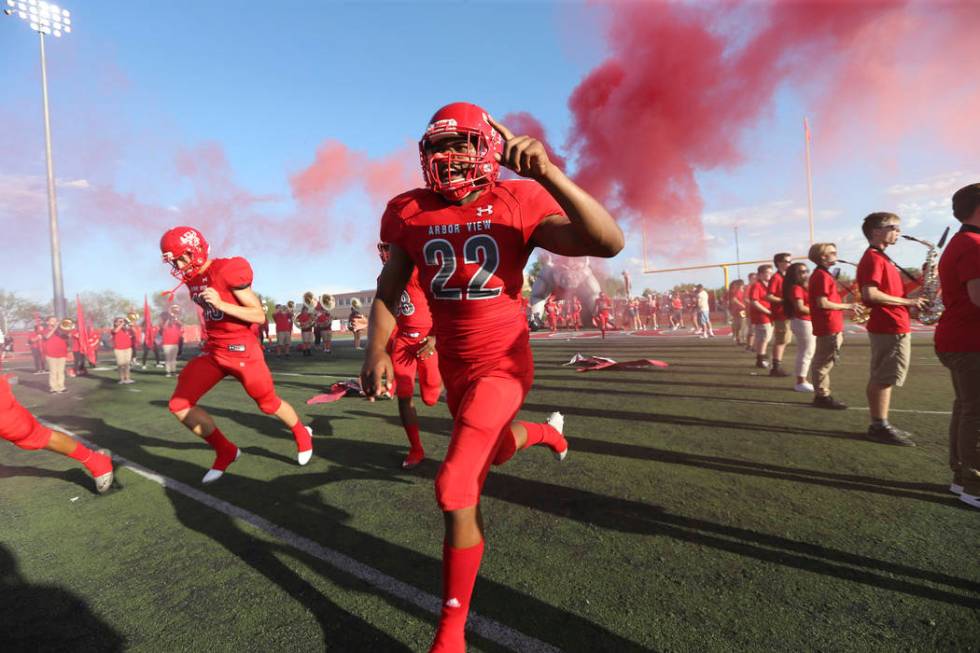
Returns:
<point x="214" y="474"/>
<point x="303" y="457"/>
<point x="557" y="421"/>
<point x="104" y="481"/>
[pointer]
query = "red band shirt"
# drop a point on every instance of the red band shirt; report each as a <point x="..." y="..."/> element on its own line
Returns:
<point x="799" y="292"/>
<point x="875" y="269"/>
<point x="826" y="322"/>
<point x="757" y="293"/>
<point x="776" y="288"/>
<point x="959" y="327"/>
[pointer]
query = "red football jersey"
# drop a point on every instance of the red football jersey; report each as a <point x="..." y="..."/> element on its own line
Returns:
<point x="224" y="274"/>
<point x="470" y="261"/>
<point x="413" y="313"/>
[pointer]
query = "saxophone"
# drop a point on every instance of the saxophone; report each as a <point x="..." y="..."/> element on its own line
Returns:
<point x="931" y="312"/>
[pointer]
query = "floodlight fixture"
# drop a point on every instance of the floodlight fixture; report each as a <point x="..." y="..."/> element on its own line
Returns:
<point x="47" y="18"/>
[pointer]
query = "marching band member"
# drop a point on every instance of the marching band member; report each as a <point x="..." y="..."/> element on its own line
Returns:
<point x="781" y="333"/>
<point x="760" y="313"/>
<point x="172" y="332"/>
<point x="889" y="327"/>
<point x="827" y="320"/>
<point x="796" y="307"/>
<point x="958" y="342"/>
<point x="736" y="308"/>
<point x="56" y="353"/>
<point x="284" y="330"/>
<point x="305" y="322"/>
<point x="122" y="348"/>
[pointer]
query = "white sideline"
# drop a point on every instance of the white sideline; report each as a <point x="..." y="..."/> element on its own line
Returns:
<point x="483" y="626"/>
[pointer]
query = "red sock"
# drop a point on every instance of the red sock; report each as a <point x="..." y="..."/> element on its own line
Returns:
<point x="304" y="441"/>
<point x="412" y="431"/>
<point x="459" y="570"/>
<point x="546" y="434"/>
<point x="225" y="449"/>
<point x="96" y="463"/>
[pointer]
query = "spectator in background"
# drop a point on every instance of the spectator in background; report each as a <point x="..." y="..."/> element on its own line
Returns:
<point x="704" y="312"/>
<point x="172" y="333"/>
<point x="122" y="348"/>
<point x="36" y="341"/>
<point x="56" y="354"/>
<point x="796" y="306"/>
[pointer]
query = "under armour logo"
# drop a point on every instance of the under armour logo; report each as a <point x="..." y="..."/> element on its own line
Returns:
<point x="484" y="210"/>
<point x="453" y="603"/>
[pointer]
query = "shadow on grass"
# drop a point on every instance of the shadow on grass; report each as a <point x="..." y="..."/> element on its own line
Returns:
<point x="46" y="618"/>
<point x="74" y="475"/>
<point x="325" y="524"/>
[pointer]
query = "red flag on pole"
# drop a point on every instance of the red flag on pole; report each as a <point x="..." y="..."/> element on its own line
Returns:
<point x="84" y="339"/>
<point x="147" y="324"/>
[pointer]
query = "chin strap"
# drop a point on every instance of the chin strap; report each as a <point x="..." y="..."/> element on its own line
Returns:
<point x="169" y="294"/>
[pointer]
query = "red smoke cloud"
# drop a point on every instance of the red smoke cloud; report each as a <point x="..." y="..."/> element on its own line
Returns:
<point x="684" y="81"/>
<point x="524" y="123"/>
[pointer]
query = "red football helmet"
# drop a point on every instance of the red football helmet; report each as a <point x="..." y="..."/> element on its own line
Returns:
<point x="184" y="240"/>
<point x="455" y="173"/>
<point x="384" y="251"/>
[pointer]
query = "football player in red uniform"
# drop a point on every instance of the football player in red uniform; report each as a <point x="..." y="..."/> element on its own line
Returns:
<point x="222" y="287"/>
<point x="469" y="236"/>
<point x="22" y="429"/>
<point x="412" y="349"/>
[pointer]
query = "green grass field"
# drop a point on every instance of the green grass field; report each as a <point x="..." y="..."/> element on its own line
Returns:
<point x="702" y="507"/>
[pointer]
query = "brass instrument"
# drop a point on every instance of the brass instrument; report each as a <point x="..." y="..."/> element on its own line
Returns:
<point x="174" y="310"/>
<point x="861" y="312"/>
<point x="327" y="301"/>
<point x="933" y="310"/>
<point x="67" y="324"/>
<point x="132" y="317"/>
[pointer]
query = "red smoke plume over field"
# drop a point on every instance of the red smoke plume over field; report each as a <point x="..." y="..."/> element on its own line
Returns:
<point x="683" y="82"/>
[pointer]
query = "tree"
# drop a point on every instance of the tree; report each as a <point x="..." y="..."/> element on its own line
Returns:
<point x="18" y="312"/>
<point x="612" y="286"/>
<point x="102" y="306"/>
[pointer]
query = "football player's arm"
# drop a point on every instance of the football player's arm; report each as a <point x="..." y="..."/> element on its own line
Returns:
<point x="377" y="374"/>
<point x="251" y="306"/>
<point x="586" y="229"/>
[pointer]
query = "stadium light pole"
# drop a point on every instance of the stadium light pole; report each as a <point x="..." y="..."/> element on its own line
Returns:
<point x="47" y="18"/>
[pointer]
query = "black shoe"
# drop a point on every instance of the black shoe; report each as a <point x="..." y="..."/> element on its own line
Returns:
<point x="828" y="402"/>
<point x="889" y="435"/>
<point x="776" y="371"/>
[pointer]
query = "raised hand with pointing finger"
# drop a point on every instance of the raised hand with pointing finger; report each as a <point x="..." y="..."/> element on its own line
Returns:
<point x="524" y="155"/>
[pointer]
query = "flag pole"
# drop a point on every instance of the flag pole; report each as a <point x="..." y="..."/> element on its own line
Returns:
<point x="809" y="176"/>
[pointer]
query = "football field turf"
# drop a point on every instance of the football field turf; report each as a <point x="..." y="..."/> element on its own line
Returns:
<point x="702" y="507"/>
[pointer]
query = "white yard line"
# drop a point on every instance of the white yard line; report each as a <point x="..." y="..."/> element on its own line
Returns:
<point x="483" y="626"/>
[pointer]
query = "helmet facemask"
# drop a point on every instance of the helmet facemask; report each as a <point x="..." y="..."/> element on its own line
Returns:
<point x="457" y="159"/>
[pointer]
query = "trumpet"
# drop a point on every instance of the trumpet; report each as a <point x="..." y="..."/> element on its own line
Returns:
<point x="132" y="317"/>
<point x="67" y="324"/>
<point x="327" y="301"/>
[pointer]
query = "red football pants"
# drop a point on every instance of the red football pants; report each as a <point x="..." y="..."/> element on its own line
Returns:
<point x="17" y="425"/>
<point x="205" y="371"/>
<point x="483" y="398"/>
<point x="403" y="348"/>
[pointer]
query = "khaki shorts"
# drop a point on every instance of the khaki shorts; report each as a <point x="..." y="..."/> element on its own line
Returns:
<point x="123" y="357"/>
<point x="283" y="337"/>
<point x="890" y="355"/>
<point x="783" y="336"/>
<point x="763" y="332"/>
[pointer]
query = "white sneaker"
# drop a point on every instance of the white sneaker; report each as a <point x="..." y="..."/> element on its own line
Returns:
<point x="303" y="457"/>
<point x="557" y="421"/>
<point x="970" y="499"/>
<point x="803" y="387"/>
<point x="214" y="474"/>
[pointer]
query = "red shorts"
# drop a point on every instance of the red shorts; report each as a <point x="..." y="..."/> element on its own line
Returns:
<point x="483" y="399"/>
<point x="204" y="372"/>
<point x="403" y="348"/>
<point x="17" y="425"/>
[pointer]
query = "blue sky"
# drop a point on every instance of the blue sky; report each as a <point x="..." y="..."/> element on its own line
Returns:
<point x="133" y="88"/>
